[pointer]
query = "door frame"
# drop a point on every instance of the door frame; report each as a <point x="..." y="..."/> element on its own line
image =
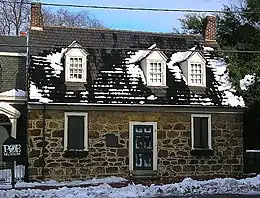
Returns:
<point x="131" y="142"/>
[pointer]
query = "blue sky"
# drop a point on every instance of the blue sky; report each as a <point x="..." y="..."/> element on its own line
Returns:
<point x="142" y="20"/>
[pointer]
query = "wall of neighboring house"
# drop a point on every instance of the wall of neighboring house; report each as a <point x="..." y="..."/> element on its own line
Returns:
<point x="13" y="77"/>
<point x="12" y="72"/>
<point x="173" y="146"/>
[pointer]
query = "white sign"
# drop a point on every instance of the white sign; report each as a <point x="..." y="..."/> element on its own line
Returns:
<point x="12" y="150"/>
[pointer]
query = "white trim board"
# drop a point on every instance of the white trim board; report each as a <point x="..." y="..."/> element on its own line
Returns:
<point x="131" y="148"/>
<point x="13" y="54"/>
<point x="209" y="129"/>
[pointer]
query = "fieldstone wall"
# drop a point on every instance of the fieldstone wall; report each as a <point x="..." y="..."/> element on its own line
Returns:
<point x="105" y="159"/>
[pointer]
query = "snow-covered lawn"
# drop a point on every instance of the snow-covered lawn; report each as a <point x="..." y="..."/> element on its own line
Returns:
<point x="185" y="188"/>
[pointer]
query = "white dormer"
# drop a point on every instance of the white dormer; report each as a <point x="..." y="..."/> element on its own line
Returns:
<point x="75" y="63"/>
<point x="194" y="69"/>
<point x="154" y="67"/>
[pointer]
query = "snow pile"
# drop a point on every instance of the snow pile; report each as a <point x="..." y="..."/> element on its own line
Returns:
<point x="247" y="81"/>
<point x="219" y="67"/>
<point x="71" y="183"/>
<point x="13" y="93"/>
<point x="188" y="187"/>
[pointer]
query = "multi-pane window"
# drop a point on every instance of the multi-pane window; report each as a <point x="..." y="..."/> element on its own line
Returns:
<point x="75" y="132"/>
<point x="196" y="73"/>
<point x="76" y="70"/>
<point x="201" y="132"/>
<point x="156" y="73"/>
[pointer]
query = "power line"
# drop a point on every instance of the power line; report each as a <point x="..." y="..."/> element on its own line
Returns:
<point x="134" y="49"/>
<point x="134" y="8"/>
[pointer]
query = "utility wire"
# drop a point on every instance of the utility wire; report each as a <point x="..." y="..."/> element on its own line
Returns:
<point x="134" y="49"/>
<point x="134" y="8"/>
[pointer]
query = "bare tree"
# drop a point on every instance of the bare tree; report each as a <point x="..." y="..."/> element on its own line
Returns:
<point x="15" y="17"/>
<point x="64" y="17"/>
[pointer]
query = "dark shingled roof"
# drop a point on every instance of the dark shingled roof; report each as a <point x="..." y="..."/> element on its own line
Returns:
<point x="108" y="80"/>
<point x="12" y="44"/>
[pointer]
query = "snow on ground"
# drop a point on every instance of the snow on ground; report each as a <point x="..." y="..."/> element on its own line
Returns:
<point x="187" y="187"/>
<point x="107" y="180"/>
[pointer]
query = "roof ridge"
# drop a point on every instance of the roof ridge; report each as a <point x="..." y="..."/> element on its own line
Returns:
<point x="132" y="31"/>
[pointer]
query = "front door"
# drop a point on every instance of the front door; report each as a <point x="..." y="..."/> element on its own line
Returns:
<point x="143" y="147"/>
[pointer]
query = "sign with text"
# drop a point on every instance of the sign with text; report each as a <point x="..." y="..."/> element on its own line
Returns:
<point x="11" y="149"/>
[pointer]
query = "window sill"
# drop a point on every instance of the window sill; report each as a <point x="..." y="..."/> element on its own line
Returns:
<point x="72" y="86"/>
<point x="202" y="152"/>
<point x="75" y="153"/>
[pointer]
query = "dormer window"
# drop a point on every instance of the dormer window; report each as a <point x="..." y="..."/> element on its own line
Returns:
<point x="75" y="68"/>
<point x="154" y="67"/>
<point x="156" y="73"/>
<point x="76" y="63"/>
<point x="194" y="69"/>
<point x="196" y="73"/>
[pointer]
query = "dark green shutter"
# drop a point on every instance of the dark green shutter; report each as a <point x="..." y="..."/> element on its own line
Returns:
<point x="75" y="132"/>
<point x="197" y="134"/>
<point x="201" y="132"/>
<point x="204" y="132"/>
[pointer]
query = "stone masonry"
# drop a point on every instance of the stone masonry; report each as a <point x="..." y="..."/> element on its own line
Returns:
<point x="174" y="146"/>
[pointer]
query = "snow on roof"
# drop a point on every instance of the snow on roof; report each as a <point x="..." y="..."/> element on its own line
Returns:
<point x="13" y="93"/>
<point x="219" y="67"/>
<point x="247" y="81"/>
<point x="55" y="60"/>
<point x="152" y="97"/>
<point x="133" y="68"/>
<point x="176" y="69"/>
<point x="140" y="54"/>
<point x="35" y="94"/>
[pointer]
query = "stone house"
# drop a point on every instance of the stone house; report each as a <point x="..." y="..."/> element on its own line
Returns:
<point x="13" y="102"/>
<point x="133" y="104"/>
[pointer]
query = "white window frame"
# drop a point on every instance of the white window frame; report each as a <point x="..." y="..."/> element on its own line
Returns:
<point x="203" y="74"/>
<point x="131" y="139"/>
<point x="163" y="65"/>
<point x="84" y="68"/>
<point x="209" y="129"/>
<point x="83" y="114"/>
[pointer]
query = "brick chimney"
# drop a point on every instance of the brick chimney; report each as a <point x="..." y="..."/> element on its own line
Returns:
<point x="210" y="32"/>
<point x="36" y="16"/>
<point x="23" y="34"/>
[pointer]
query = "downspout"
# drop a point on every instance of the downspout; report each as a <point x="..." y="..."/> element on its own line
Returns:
<point x="43" y="139"/>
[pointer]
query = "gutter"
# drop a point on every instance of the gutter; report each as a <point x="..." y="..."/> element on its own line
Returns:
<point x="137" y="107"/>
<point x="43" y="140"/>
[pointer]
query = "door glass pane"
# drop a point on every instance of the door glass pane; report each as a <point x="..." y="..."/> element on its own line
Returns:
<point x="139" y="160"/>
<point x="143" y="147"/>
<point x="147" y="160"/>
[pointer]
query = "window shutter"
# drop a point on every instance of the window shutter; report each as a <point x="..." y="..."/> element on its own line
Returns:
<point x="204" y="132"/>
<point x="76" y="132"/>
<point x="197" y="133"/>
